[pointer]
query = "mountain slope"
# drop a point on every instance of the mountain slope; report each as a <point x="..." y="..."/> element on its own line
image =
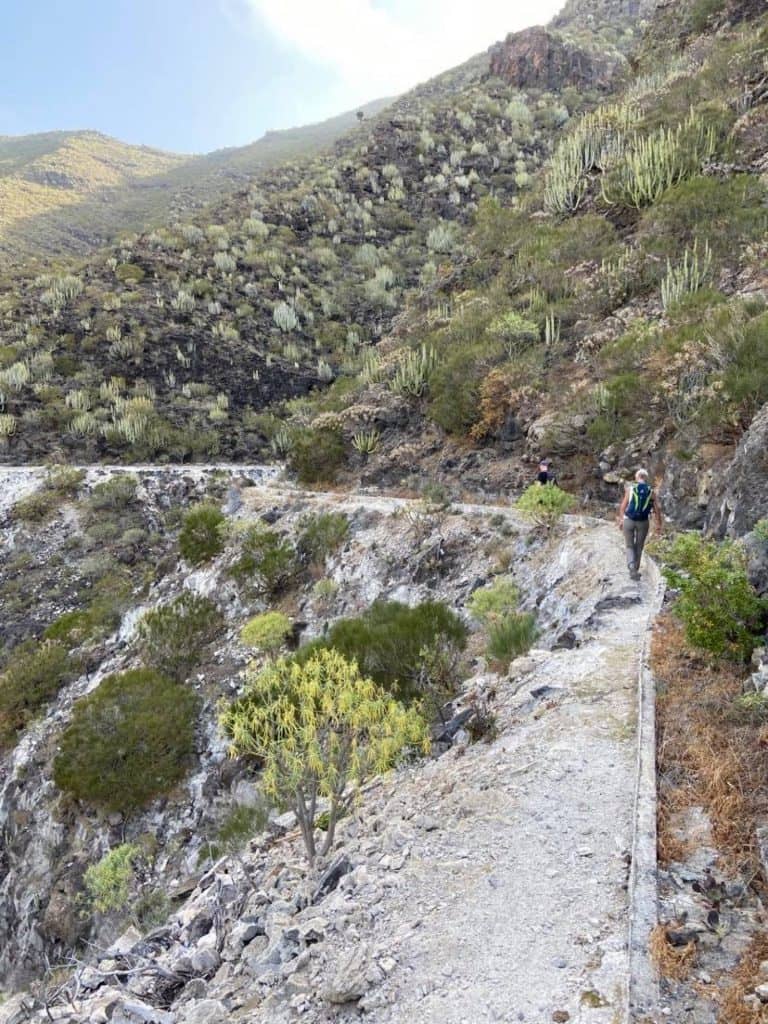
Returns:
<point x="67" y="192"/>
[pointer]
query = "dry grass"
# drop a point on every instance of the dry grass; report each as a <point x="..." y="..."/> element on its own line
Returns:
<point x="707" y="755"/>
<point x="747" y="975"/>
<point x="675" y="962"/>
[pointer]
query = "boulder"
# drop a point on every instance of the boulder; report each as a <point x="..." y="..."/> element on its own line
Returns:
<point x="351" y="979"/>
<point x="205" y="1011"/>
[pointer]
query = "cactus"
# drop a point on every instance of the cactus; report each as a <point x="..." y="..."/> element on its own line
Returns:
<point x="224" y="262"/>
<point x="590" y="146"/>
<point x="285" y="317"/>
<point x="84" y="425"/>
<point x="15" y="377"/>
<point x="7" y="425"/>
<point x="365" y="442"/>
<point x="687" y="277"/>
<point x="413" y="371"/>
<point x="62" y="291"/>
<point x="79" y="401"/>
<point x="183" y="301"/>
<point x="441" y="239"/>
<point x="650" y="164"/>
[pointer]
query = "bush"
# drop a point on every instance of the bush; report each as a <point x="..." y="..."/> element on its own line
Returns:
<point x="267" y="632"/>
<point x="544" y="504"/>
<point x="320" y="535"/>
<point x="266" y="563"/>
<point x="316" y="455"/>
<point x="511" y="636"/>
<point x="108" y="883"/>
<point x="200" y="539"/>
<point x="128" y="741"/>
<point x="391" y="641"/>
<point x="491" y="603"/>
<point x="319" y="730"/>
<point x="719" y="608"/>
<point x="171" y="638"/>
<point x="114" y="494"/>
<point x="727" y="213"/>
<point x="34" y="674"/>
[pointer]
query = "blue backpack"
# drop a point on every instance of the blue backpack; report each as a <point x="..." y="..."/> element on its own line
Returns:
<point x="640" y="502"/>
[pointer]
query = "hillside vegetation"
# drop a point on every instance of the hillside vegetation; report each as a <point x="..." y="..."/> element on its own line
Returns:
<point x="64" y="193"/>
<point x="552" y="247"/>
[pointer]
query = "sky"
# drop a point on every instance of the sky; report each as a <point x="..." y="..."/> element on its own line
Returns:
<point x="196" y="75"/>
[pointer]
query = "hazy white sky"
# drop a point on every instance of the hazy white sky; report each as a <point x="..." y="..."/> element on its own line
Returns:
<point x="377" y="49"/>
<point x="194" y="75"/>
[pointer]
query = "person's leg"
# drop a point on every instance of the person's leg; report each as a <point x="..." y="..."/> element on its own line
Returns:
<point x="640" y="536"/>
<point x="629" y="542"/>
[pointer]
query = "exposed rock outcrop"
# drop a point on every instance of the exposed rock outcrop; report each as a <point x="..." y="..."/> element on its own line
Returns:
<point x="538" y="59"/>
<point x="744" y="485"/>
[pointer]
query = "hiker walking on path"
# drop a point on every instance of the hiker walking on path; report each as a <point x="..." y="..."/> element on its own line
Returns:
<point x="545" y="474"/>
<point x="637" y="506"/>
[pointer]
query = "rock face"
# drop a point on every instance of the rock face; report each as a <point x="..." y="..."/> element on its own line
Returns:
<point x="538" y="59"/>
<point x="744" y="483"/>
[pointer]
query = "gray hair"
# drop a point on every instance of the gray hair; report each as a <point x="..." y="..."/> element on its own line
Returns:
<point x="641" y="474"/>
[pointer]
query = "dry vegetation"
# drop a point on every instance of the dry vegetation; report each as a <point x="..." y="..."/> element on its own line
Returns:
<point x="710" y="754"/>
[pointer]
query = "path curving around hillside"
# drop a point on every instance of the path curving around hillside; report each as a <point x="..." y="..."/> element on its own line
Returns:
<point x="499" y="883"/>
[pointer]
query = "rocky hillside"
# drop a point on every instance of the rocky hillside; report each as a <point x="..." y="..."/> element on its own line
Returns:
<point x="66" y="193"/>
<point x="292" y="282"/>
<point x="91" y="588"/>
<point x="557" y="246"/>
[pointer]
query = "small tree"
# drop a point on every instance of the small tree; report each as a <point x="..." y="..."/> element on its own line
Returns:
<point x="319" y="730"/>
<point x="544" y="504"/>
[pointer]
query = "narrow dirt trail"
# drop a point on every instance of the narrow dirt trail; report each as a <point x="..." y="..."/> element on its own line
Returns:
<point x="509" y="897"/>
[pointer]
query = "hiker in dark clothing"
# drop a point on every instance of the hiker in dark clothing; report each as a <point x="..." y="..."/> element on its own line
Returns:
<point x="545" y="474"/>
<point x="637" y="506"/>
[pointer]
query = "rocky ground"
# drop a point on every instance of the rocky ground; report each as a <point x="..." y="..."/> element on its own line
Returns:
<point x="489" y="883"/>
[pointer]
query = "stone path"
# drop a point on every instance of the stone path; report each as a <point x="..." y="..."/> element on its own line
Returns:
<point x="516" y="907"/>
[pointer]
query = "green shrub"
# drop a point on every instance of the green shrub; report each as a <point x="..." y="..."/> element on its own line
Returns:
<point x="320" y="535"/>
<point x="200" y="539"/>
<point x="129" y="273"/>
<point x="726" y="212"/>
<point x="499" y="599"/>
<point x="108" y="883"/>
<point x="113" y="495"/>
<point x="266" y="562"/>
<point x="390" y="642"/>
<point x="316" y="455"/>
<point x="112" y="595"/>
<point x="745" y="378"/>
<point x="267" y="632"/>
<point x="454" y="389"/>
<point x="128" y="741"/>
<point x="717" y="604"/>
<point x="511" y="636"/>
<point x="544" y="504"/>
<point x="171" y="638"/>
<point x="34" y="673"/>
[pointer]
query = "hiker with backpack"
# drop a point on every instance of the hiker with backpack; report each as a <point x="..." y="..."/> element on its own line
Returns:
<point x="637" y="506"/>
